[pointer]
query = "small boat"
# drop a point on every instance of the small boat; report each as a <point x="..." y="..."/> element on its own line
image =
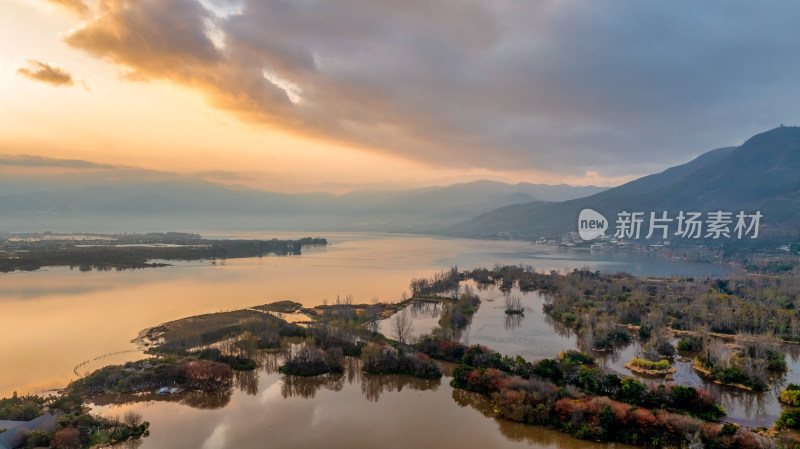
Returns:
<point x="162" y="390"/>
<point x="174" y="390"/>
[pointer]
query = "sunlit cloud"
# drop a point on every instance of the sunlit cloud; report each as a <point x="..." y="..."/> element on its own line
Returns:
<point x="46" y="73"/>
<point x="76" y="6"/>
<point x="40" y="161"/>
<point x="585" y="91"/>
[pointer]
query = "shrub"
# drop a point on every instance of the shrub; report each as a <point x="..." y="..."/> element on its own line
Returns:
<point x="441" y="348"/>
<point x="480" y="380"/>
<point x="36" y="438"/>
<point x="547" y="368"/>
<point x="380" y="358"/>
<point x="690" y="344"/>
<point x="647" y="364"/>
<point x="67" y="438"/>
<point x="21" y="408"/>
<point x="569" y="317"/>
<point x="478" y="356"/>
<point x="789" y="418"/>
<point x="790" y="397"/>
<point x="776" y="361"/>
<point x="305" y="359"/>
<point x="631" y="390"/>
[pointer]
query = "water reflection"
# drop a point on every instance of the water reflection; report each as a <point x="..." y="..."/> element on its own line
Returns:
<point x="538" y="336"/>
<point x="561" y="329"/>
<point x="246" y="381"/>
<point x="374" y="385"/>
<point x="307" y="387"/>
<point x="131" y="443"/>
<point x="351" y="409"/>
<point x="117" y="305"/>
<point x="748" y="408"/>
<point x="203" y="400"/>
<point x="513" y="320"/>
<point x="519" y="432"/>
<point x="425" y="309"/>
<point x="477" y="401"/>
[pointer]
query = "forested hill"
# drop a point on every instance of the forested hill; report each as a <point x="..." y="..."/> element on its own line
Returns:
<point x="763" y="174"/>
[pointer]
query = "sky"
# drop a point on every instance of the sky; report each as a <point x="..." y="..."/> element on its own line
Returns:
<point x="307" y="95"/>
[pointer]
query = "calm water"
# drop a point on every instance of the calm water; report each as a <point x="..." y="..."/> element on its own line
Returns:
<point x="64" y="323"/>
<point x="535" y="336"/>
<point x="752" y="409"/>
<point x="353" y="410"/>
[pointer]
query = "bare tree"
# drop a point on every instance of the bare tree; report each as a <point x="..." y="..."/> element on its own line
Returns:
<point x="132" y="418"/>
<point x="373" y="315"/>
<point x="586" y="338"/>
<point x="402" y="325"/>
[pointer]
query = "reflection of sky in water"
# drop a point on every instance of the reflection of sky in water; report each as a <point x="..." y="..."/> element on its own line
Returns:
<point x="347" y="410"/>
<point x="61" y="317"/>
<point x="535" y="336"/>
<point x="557" y="259"/>
<point x="752" y="409"/>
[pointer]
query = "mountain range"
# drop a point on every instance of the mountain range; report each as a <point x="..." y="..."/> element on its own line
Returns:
<point x="762" y="174"/>
<point x="139" y="200"/>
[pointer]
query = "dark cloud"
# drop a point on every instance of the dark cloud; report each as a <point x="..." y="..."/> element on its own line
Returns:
<point x="615" y="87"/>
<point x="46" y="73"/>
<point x="39" y="161"/>
<point x="76" y="6"/>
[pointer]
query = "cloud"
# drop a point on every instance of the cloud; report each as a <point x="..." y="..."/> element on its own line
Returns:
<point x="612" y="87"/>
<point x="77" y="6"/>
<point x="25" y="160"/>
<point x="224" y="175"/>
<point x="46" y="73"/>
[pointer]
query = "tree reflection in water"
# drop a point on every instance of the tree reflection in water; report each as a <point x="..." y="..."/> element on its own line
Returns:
<point x="131" y="443"/>
<point x="201" y="399"/>
<point x="425" y="309"/>
<point x="477" y="401"/>
<point x="513" y="320"/>
<point x="560" y="328"/>
<point x="535" y="436"/>
<point x="208" y="400"/>
<point x="268" y="361"/>
<point x="753" y="405"/>
<point x="246" y="381"/>
<point x="307" y="387"/>
<point x="374" y="385"/>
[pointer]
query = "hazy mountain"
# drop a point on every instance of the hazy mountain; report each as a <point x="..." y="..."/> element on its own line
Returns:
<point x="434" y="206"/>
<point x="761" y="174"/>
<point x="125" y="200"/>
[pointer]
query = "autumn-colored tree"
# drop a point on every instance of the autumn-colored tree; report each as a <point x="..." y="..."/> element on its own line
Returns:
<point x="207" y="374"/>
<point x="67" y="438"/>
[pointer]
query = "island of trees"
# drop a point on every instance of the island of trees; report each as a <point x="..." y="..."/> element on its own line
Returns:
<point x="130" y="251"/>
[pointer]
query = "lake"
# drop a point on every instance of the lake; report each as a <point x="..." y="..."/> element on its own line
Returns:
<point x="65" y="322"/>
<point x="61" y="318"/>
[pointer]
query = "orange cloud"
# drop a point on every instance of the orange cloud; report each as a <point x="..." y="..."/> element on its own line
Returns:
<point x="549" y="86"/>
<point x="46" y="73"/>
<point x="77" y="6"/>
<point x="260" y="69"/>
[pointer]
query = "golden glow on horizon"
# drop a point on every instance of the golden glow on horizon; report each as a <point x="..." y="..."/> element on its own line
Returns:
<point x="159" y="125"/>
